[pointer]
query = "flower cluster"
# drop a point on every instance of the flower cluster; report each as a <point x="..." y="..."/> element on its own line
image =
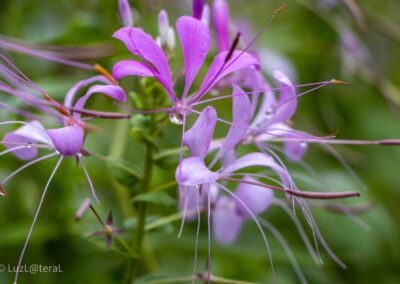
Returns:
<point x="213" y="175"/>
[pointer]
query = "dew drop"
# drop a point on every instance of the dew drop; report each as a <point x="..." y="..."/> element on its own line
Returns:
<point x="303" y="144"/>
<point x="29" y="145"/>
<point x="176" y="119"/>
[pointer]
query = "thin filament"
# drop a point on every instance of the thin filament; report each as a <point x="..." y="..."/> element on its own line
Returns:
<point x="27" y="165"/>
<point x="258" y="225"/>
<point x="35" y="218"/>
<point x="93" y="191"/>
<point x="197" y="239"/>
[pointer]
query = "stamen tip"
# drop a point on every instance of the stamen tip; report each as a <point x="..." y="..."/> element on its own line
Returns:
<point x="390" y="142"/>
<point x="3" y="192"/>
<point x="339" y="82"/>
<point x="280" y="9"/>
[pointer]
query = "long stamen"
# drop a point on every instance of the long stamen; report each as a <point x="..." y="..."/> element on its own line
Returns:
<point x="315" y="255"/>
<point x="274" y="231"/>
<point x="258" y="225"/>
<point x="209" y="236"/>
<point x="93" y="191"/>
<point x="27" y="165"/>
<point x="184" y="214"/>
<point x="42" y="54"/>
<point x="35" y="218"/>
<point x="298" y="193"/>
<point x="197" y="238"/>
<point x="28" y="145"/>
<point x="324" y="83"/>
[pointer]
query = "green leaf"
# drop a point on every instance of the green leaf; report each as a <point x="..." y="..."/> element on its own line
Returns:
<point x="124" y="172"/>
<point x="159" y="198"/>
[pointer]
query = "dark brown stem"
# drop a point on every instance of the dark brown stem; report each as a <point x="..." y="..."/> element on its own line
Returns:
<point x="298" y="193"/>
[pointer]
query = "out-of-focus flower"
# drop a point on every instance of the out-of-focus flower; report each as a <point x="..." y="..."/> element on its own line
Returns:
<point x="198" y="8"/>
<point x="166" y="38"/>
<point x="125" y="13"/>
<point x="108" y="231"/>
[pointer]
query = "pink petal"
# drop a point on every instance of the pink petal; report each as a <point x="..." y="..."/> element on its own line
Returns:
<point x="131" y="68"/>
<point x="115" y="92"/>
<point x="219" y="69"/>
<point x="72" y="93"/>
<point x="256" y="198"/>
<point x="192" y="171"/>
<point x="67" y="140"/>
<point x="125" y="13"/>
<point x="241" y="113"/>
<point x="141" y="44"/>
<point x="199" y="137"/>
<point x="196" y="41"/>
<point x="220" y="12"/>
<point x="227" y="223"/>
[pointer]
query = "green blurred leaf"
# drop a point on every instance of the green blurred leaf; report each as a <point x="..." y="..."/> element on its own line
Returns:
<point x="159" y="198"/>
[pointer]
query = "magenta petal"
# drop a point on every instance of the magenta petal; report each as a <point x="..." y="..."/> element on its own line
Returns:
<point x="295" y="150"/>
<point x="32" y="132"/>
<point x="141" y="44"/>
<point x="256" y="198"/>
<point x="258" y="159"/>
<point x="287" y="102"/>
<point x="220" y="12"/>
<point x="192" y="171"/>
<point x="227" y="223"/>
<point x="68" y="140"/>
<point x="196" y="41"/>
<point x="125" y="13"/>
<point x="241" y="113"/>
<point x="219" y="69"/>
<point x="131" y="67"/>
<point x="199" y="137"/>
<point x="198" y="6"/>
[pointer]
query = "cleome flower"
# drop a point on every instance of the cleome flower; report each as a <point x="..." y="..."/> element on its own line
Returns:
<point x="195" y="40"/>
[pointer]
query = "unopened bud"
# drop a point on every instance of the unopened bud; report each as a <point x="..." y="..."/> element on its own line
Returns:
<point x="83" y="209"/>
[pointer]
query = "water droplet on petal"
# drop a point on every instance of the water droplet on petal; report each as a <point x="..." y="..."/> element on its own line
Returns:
<point x="303" y="144"/>
<point x="269" y="113"/>
<point x="29" y="145"/>
<point x="176" y="119"/>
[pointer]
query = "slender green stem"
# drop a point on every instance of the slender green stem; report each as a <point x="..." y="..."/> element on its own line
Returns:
<point x="198" y="277"/>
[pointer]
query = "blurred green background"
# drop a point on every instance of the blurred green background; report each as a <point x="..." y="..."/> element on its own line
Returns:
<point x="310" y="35"/>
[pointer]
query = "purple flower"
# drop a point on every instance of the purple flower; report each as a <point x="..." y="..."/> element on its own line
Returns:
<point x="195" y="39"/>
<point x="108" y="231"/>
<point x="220" y="11"/>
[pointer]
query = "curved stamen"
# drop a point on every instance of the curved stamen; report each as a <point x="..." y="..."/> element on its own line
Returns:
<point x="93" y="191"/>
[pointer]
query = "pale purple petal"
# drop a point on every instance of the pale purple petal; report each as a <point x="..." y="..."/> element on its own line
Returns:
<point x="196" y="41"/>
<point x="125" y="13"/>
<point x="131" y="68"/>
<point x="198" y="6"/>
<point x="72" y="93"/>
<point x="68" y="141"/>
<point x="287" y="102"/>
<point x="32" y="132"/>
<point x="241" y="113"/>
<point x="141" y="44"/>
<point x="258" y="159"/>
<point x="113" y="91"/>
<point x="295" y="150"/>
<point x="227" y="223"/>
<point x="192" y="171"/>
<point x="220" y="12"/>
<point x="219" y="69"/>
<point x="199" y="137"/>
<point x="256" y="198"/>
